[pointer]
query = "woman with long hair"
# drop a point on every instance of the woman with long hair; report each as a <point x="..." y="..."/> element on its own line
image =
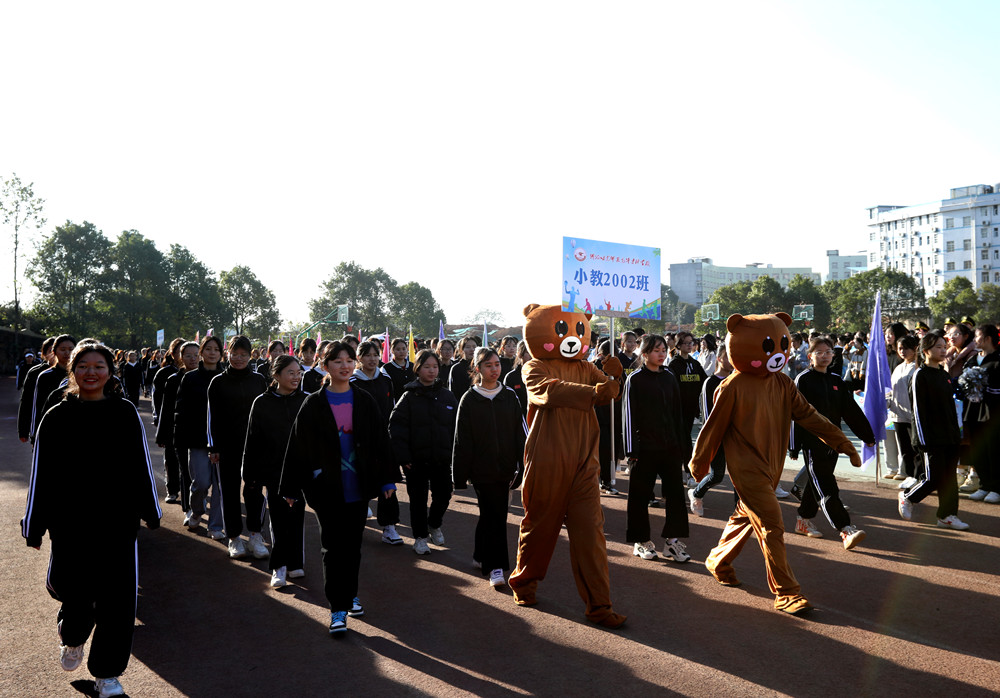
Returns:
<point x="445" y="351"/>
<point x="982" y="411"/>
<point x="514" y="379"/>
<point x="178" y="478"/>
<point x="399" y="371"/>
<point x="900" y="410"/>
<point x="459" y="378"/>
<point x="92" y="441"/>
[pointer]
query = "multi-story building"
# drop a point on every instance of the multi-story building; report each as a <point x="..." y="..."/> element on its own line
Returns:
<point x="937" y="241"/>
<point x="694" y="281"/>
<point x="841" y="266"/>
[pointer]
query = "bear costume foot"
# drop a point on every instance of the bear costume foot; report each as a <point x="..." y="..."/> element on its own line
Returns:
<point x="612" y="620"/>
<point x="792" y="605"/>
<point x="525" y="597"/>
<point x="726" y="579"/>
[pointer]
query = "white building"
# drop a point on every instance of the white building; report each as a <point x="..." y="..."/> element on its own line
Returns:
<point x="694" y="281"/>
<point x="937" y="241"/>
<point x="840" y="266"/>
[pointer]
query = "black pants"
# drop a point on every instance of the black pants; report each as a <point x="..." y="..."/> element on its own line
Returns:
<point x="341" y="528"/>
<point x="253" y="498"/>
<point x="822" y="490"/>
<point x="491" y="529"/>
<point x="905" y="444"/>
<point x="642" y="477"/>
<point x="387" y="510"/>
<point x="716" y="474"/>
<point x="97" y="590"/>
<point x="228" y="470"/>
<point x="287" y="532"/>
<point x="938" y="466"/>
<point x="979" y="452"/>
<point x="177" y="477"/>
<point x="421" y="479"/>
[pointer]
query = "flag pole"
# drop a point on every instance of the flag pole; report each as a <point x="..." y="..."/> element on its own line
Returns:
<point x="614" y="463"/>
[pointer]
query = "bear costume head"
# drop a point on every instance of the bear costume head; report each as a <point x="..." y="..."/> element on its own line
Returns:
<point x="758" y="344"/>
<point x="552" y="333"/>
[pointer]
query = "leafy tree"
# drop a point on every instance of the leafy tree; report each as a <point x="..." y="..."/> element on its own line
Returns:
<point x="766" y="296"/>
<point x="490" y="317"/>
<point x="370" y="295"/>
<point x="69" y="271"/>
<point x="251" y="303"/>
<point x="902" y="298"/>
<point x="803" y="291"/>
<point x="415" y="305"/>
<point x="134" y="293"/>
<point x="957" y="297"/>
<point x="989" y="304"/>
<point x="195" y="301"/>
<point x="20" y="209"/>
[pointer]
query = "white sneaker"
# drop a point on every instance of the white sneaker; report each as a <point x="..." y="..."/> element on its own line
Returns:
<point x="109" y="687"/>
<point x="805" y="527"/>
<point x="216" y="534"/>
<point x="908" y="483"/>
<point x="237" y="548"/>
<point x="70" y="658"/>
<point x="851" y="536"/>
<point x="192" y="520"/>
<point x="420" y="547"/>
<point x="496" y="578"/>
<point x="647" y="551"/>
<point x="979" y="495"/>
<point x="390" y="536"/>
<point x="437" y="537"/>
<point x="953" y="522"/>
<point x="992" y="498"/>
<point x="689" y="480"/>
<point x="780" y="492"/>
<point x="258" y="547"/>
<point x="971" y="484"/>
<point x="278" y="577"/>
<point x="697" y="506"/>
<point x="905" y="507"/>
<point x="676" y="551"/>
<point x="296" y="574"/>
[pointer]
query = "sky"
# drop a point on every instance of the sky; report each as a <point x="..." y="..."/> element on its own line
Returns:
<point x="454" y="143"/>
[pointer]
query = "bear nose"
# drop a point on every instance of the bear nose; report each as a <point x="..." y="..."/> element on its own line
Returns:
<point x="571" y="344"/>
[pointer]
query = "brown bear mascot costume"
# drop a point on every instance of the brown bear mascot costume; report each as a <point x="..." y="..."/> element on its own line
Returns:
<point x="754" y="408"/>
<point x="561" y="479"/>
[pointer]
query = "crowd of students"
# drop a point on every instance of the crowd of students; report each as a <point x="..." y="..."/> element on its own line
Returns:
<point x="266" y="431"/>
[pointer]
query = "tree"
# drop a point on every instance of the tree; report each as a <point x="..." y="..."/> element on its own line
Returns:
<point x="19" y="209"/>
<point x="134" y="293"/>
<point x="803" y="291"/>
<point x="415" y="305"/>
<point x="489" y="317"/>
<point x="251" y="303"/>
<point x="957" y="298"/>
<point x="69" y="272"/>
<point x="766" y="296"/>
<point x="195" y="302"/>
<point x="902" y="298"/>
<point x="989" y="303"/>
<point x="369" y="294"/>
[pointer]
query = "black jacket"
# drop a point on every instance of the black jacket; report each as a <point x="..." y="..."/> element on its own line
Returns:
<point x="489" y="439"/>
<point x="690" y="375"/>
<point x="26" y="408"/>
<point x="97" y="447"/>
<point x="191" y="408"/>
<point x="708" y="395"/>
<point x="399" y="377"/>
<point x="515" y="381"/>
<point x="230" y="398"/>
<point x="312" y="459"/>
<point x="23" y="367"/>
<point x="168" y="401"/>
<point x="422" y="425"/>
<point x="47" y="382"/>
<point x="312" y="380"/>
<point x="835" y="401"/>
<point x="132" y="382"/>
<point x="935" y="419"/>
<point x="271" y="419"/>
<point x="458" y="380"/>
<point x="379" y="387"/>
<point x="652" y="413"/>
<point x="159" y="380"/>
<point x="988" y="408"/>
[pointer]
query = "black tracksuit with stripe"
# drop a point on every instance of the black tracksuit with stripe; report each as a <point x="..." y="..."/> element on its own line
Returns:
<point x="47" y="382"/>
<point x="26" y="408"/>
<point x="936" y="438"/>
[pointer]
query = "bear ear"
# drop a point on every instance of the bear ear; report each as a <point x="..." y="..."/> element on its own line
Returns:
<point x="733" y="322"/>
<point x="588" y="316"/>
<point x="785" y="318"/>
<point x="528" y="308"/>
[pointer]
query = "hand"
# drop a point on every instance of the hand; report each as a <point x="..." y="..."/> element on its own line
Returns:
<point x="213" y="458"/>
<point x="24" y="440"/>
<point x="291" y="502"/>
<point x="871" y="445"/>
<point x="613" y="367"/>
<point x="407" y="465"/>
<point x="159" y="445"/>
<point x="855" y="459"/>
<point x="793" y="456"/>
<point x="388" y="493"/>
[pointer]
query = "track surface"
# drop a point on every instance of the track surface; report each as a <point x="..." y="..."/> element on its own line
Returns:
<point x="911" y="612"/>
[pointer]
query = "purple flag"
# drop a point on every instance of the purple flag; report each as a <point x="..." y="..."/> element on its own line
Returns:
<point x="440" y="329"/>
<point x="877" y="382"/>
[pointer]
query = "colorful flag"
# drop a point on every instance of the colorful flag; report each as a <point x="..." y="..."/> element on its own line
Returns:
<point x="319" y="338"/>
<point x="197" y="337"/>
<point x="359" y="335"/>
<point x="210" y="331"/>
<point x="440" y="330"/>
<point x="486" y="335"/>
<point x="877" y="382"/>
<point x="413" y="347"/>
<point x="386" y="358"/>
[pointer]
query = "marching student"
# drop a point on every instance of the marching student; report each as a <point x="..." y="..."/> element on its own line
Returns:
<point x="508" y="354"/>
<point x="900" y="410"/>
<point x="337" y="458"/>
<point x="936" y="435"/>
<point x="230" y="397"/>
<point x="981" y="416"/>
<point x="459" y="378"/>
<point x="422" y="433"/>
<point x="171" y="361"/>
<point x="489" y="452"/>
<point x="178" y="480"/>
<point x="690" y="375"/>
<point x="717" y="468"/>
<point x="271" y="419"/>
<point x="374" y="382"/>
<point x="833" y="399"/>
<point x="25" y="408"/>
<point x="26" y="363"/>
<point x="312" y="378"/>
<point x="399" y="371"/>
<point x="445" y="351"/>
<point x="658" y="443"/>
<point x="515" y="379"/>
<point x="50" y="379"/>
<point x="274" y="349"/>
<point x="132" y="378"/>
<point x="603" y="413"/>
<point x="191" y="435"/>
<point x="92" y="441"/>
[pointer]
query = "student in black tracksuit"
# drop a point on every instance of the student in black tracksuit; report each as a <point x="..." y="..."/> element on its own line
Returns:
<point x="690" y="375"/>
<point x="93" y="441"/>
<point x="337" y="458"/>
<point x="832" y="398"/>
<point x="656" y="439"/>
<point x="131" y="376"/>
<point x="149" y="371"/>
<point x="191" y="434"/>
<point x="446" y="353"/>
<point x="50" y="379"/>
<point x="936" y="435"/>
<point x="514" y="378"/>
<point x="178" y="479"/>
<point x="603" y="413"/>
<point x="399" y="371"/>
<point x="275" y="349"/>
<point x="271" y="419"/>
<point x="489" y="452"/>
<point x="27" y="363"/>
<point x="982" y="414"/>
<point x="26" y="406"/>
<point x="422" y="431"/>
<point x="167" y="367"/>
<point x="717" y="468"/>
<point x="369" y="378"/>
<point x="458" y="379"/>
<point x="230" y="398"/>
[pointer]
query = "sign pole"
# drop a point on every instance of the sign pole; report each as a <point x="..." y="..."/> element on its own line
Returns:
<point x="614" y="467"/>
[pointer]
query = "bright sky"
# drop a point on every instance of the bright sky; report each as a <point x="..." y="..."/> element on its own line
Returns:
<point x="455" y="143"/>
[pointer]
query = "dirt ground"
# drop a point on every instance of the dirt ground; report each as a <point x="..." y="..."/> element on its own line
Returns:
<point x="912" y="612"/>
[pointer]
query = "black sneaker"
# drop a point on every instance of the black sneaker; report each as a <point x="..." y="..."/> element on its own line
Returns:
<point x="338" y="623"/>
<point x="796" y="492"/>
<point x="357" y="610"/>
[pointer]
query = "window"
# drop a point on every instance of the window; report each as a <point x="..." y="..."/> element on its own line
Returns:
<point x="834" y="275"/>
<point x="985" y="254"/>
<point x="996" y="210"/>
<point x="967" y="264"/>
<point x="966" y="221"/>
<point x="996" y="277"/>
<point x="949" y="246"/>
<point x="996" y="254"/>
<point x="949" y="222"/>
<point x="986" y="277"/>
<point x="966" y="244"/>
<point x="833" y="265"/>
<point x="951" y="266"/>
<point x="871" y="235"/>
<point x="871" y="257"/>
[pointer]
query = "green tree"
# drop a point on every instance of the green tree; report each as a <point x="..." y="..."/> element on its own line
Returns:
<point x="957" y="297"/>
<point x="803" y="291"/>
<point x="69" y="271"/>
<point x="902" y="298"/>
<point x="251" y="303"/>
<point x="415" y="305"/>
<point x="766" y="296"/>
<point x="195" y="301"/>
<point x="989" y="304"/>
<point x="132" y="302"/>
<point x="370" y="294"/>
<point x="21" y="211"/>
